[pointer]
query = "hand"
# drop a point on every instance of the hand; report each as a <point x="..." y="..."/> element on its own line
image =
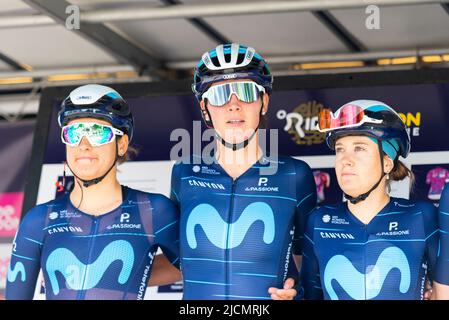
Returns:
<point x="287" y="293"/>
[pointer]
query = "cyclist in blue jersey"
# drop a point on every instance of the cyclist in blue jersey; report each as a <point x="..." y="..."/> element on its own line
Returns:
<point x="373" y="246"/>
<point x="441" y="281"/>
<point x="240" y="223"/>
<point x="99" y="240"/>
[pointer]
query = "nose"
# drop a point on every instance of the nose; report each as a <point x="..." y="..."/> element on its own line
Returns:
<point x="234" y="103"/>
<point x="346" y="159"/>
<point x="84" y="144"/>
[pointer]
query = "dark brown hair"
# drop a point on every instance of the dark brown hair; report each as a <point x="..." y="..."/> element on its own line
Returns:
<point x="131" y="152"/>
<point x="400" y="172"/>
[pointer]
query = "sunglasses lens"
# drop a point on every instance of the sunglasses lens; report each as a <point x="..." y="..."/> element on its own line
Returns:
<point x="324" y="119"/>
<point x="221" y="94"/>
<point x="70" y="135"/>
<point x="346" y="116"/>
<point x="350" y="115"/>
<point x="246" y="91"/>
<point x="97" y="134"/>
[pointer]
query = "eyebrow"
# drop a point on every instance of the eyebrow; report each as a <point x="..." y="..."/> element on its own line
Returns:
<point x="354" y="143"/>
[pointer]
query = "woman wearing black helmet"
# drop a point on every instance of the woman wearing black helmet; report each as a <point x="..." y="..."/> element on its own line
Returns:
<point x="373" y="246"/>
<point x="241" y="211"/>
<point x="98" y="242"/>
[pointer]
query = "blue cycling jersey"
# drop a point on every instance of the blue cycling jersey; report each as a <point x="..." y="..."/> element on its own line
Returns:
<point x="389" y="258"/>
<point x="92" y="257"/>
<point x="442" y="274"/>
<point x="237" y="236"/>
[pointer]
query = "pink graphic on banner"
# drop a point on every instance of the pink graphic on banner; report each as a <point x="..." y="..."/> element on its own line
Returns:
<point x="10" y="209"/>
<point x="322" y="180"/>
<point x="4" y="263"/>
<point x="437" y="177"/>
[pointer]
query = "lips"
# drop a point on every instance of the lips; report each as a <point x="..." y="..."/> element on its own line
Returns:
<point x="347" y="175"/>
<point x="235" y="121"/>
<point x="87" y="160"/>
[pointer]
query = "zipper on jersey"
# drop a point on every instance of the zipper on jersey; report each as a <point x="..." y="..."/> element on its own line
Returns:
<point x="228" y="265"/>
<point x="95" y="223"/>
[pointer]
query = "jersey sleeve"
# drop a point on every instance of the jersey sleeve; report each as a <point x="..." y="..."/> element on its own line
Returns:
<point x="175" y="184"/>
<point x="310" y="274"/>
<point x="442" y="274"/>
<point x="306" y="197"/>
<point x="26" y="255"/>
<point x="430" y="219"/>
<point x="166" y="227"/>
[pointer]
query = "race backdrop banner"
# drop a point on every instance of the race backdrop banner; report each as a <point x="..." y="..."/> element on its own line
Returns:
<point x="293" y="113"/>
<point x="15" y="153"/>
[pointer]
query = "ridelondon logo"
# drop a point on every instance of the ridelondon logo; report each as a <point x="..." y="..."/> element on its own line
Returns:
<point x="302" y="121"/>
<point x="412" y="121"/>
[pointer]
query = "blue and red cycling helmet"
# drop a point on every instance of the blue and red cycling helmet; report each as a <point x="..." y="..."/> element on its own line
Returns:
<point x="370" y="118"/>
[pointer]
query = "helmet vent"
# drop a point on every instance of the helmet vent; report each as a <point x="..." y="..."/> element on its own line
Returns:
<point x="240" y="58"/>
<point x="215" y="61"/>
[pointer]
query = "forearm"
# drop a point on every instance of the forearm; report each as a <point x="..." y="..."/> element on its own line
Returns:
<point x="163" y="272"/>
<point x="440" y="291"/>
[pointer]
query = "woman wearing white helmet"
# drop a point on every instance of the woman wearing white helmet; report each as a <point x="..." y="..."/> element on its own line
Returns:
<point x="240" y="221"/>
<point x="373" y="246"/>
<point x="99" y="240"/>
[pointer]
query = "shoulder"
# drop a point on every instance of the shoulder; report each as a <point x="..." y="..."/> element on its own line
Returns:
<point x="425" y="209"/>
<point x="324" y="213"/>
<point x="412" y="205"/>
<point x="299" y="164"/>
<point x="154" y="203"/>
<point x="149" y="196"/>
<point x="191" y="164"/>
<point x="38" y="215"/>
<point x="287" y="164"/>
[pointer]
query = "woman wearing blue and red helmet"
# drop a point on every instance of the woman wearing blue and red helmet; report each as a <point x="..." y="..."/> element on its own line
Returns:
<point x="372" y="246"/>
<point x="239" y="224"/>
<point x="99" y="240"/>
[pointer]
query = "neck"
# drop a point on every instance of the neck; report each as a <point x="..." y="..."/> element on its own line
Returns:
<point x="98" y="198"/>
<point x="237" y="162"/>
<point x="367" y="209"/>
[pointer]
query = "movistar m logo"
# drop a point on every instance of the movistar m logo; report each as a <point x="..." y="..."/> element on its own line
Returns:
<point x="80" y="276"/>
<point x="362" y="286"/>
<point x="13" y="273"/>
<point x="216" y="229"/>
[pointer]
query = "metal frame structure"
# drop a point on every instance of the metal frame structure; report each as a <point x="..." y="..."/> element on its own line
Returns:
<point x="96" y="29"/>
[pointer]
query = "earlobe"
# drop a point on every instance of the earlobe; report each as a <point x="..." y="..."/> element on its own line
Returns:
<point x="204" y="111"/>
<point x="266" y="99"/>
<point x="123" y="145"/>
